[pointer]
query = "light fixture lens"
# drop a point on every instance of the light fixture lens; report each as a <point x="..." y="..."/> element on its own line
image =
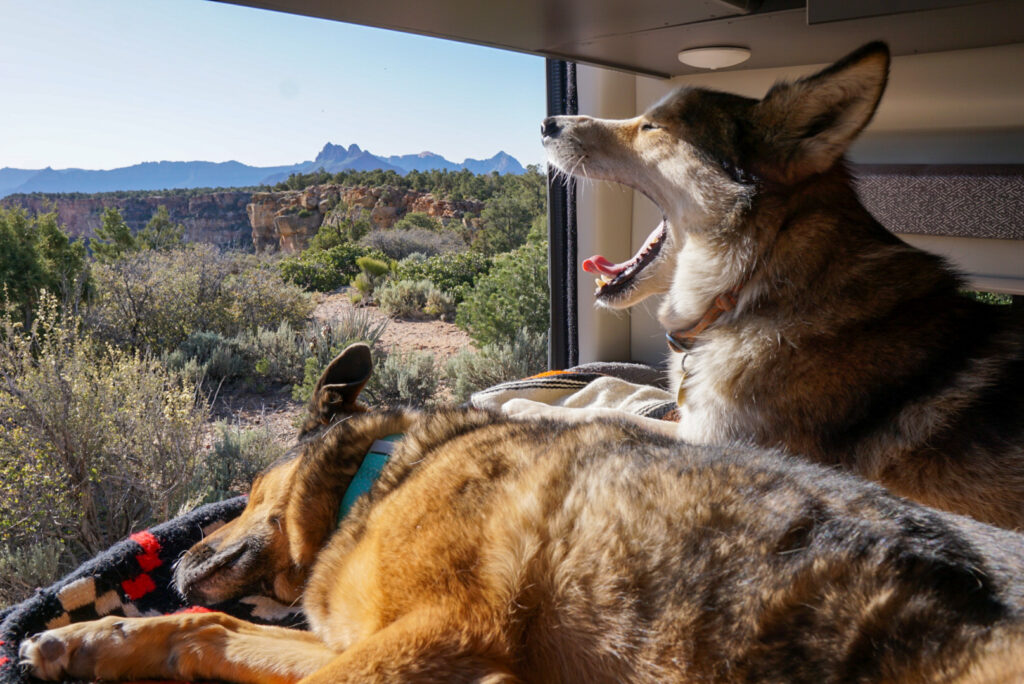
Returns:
<point x="717" y="57"/>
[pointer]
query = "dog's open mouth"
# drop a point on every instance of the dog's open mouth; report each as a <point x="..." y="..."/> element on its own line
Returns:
<point x="614" y="278"/>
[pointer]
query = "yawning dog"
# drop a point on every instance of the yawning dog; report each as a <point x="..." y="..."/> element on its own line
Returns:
<point x="796" y="320"/>
<point x="491" y="550"/>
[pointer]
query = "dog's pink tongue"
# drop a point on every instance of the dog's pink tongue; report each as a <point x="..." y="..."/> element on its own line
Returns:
<point x="598" y="264"/>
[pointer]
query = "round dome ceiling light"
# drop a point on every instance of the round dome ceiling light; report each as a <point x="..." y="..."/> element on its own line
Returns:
<point x="718" y="57"/>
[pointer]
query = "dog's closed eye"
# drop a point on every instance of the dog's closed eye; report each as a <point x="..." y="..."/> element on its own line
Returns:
<point x="650" y="127"/>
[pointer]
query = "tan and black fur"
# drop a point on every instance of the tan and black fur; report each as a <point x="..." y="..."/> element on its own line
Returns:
<point x="847" y="345"/>
<point x="493" y="550"/>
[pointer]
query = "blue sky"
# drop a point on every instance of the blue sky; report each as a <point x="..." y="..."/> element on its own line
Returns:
<point x="106" y="83"/>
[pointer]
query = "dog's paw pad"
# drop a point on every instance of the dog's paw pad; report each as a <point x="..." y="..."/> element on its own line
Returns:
<point x="45" y="655"/>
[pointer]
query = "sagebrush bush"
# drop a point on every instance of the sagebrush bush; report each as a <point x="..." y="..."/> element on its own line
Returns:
<point x="398" y="244"/>
<point x="513" y="295"/>
<point x="405" y="379"/>
<point x="95" y="443"/>
<point x="23" y="569"/>
<point x="451" y="273"/>
<point x="440" y="305"/>
<point x="324" y="270"/>
<point x="208" y="357"/>
<point x="404" y="298"/>
<point x="154" y="300"/>
<point x="326" y="340"/>
<point x="524" y="355"/>
<point x="279" y="354"/>
<point x="233" y="461"/>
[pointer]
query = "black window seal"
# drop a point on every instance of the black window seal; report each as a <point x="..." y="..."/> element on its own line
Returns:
<point x="563" y="335"/>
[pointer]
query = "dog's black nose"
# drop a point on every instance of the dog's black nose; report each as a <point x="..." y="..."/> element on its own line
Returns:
<point x="549" y="128"/>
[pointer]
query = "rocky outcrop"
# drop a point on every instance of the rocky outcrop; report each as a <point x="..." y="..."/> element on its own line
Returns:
<point x="218" y="218"/>
<point x="287" y="220"/>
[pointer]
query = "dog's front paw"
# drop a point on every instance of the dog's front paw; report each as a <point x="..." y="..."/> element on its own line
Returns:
<point x="69" y="652"/>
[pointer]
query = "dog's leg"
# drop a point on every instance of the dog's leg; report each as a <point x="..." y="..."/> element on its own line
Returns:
<point x="190" y="647"/>
<point x="419" y="647"/>
<point x="525" y="408"/>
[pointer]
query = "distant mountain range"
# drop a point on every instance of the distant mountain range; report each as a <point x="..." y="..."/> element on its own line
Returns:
<point x="167" y="175"/>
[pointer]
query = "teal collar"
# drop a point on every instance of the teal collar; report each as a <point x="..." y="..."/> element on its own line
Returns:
<point x="376" y="458"/>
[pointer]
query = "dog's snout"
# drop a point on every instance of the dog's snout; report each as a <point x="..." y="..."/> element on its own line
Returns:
<point x="549" y="128"/>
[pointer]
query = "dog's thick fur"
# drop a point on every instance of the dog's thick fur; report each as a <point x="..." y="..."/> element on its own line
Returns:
<point x="847" y="345"/>
<point x="495" y="550"/>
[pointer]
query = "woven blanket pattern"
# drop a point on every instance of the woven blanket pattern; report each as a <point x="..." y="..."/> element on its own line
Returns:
<point x="133" y="578"/>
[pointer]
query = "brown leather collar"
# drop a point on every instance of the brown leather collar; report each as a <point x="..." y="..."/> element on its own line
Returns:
<point x="681" y="341"/>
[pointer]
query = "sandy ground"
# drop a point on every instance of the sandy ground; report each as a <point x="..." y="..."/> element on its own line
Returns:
<point x="274" y="408"/>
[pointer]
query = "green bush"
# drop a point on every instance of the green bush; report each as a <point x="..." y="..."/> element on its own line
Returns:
<point x="451" y="273"/>
<point x="398" y="244"/>
<point x="524" y="355"/>
<point x="513" y="295"/>
<point x="372" y="273"/>
<point x="417" y="219"/>
<point x="277" y="354"/>
<point x="22" y="569"/>
<point x="405" y="379"/>
<point x="235" y="459"/>
<point x="339" y="229"/>
<point x="37" y="254"/>
<point x="154" y="300"/>
<point x="414" y="299"/>
<point x="208" y="357"/>
<point x="439" y="304"/>
<point x="95" y="442"/>
<point x="325" y="341"/>
<point x="324" y="270"/>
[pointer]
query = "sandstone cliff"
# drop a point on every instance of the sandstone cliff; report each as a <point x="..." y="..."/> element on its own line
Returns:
<point x="217" y="217"/>
<point x="287" y="220"/>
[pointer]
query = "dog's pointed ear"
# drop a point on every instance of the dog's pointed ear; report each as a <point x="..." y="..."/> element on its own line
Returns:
<point x="339" y="386"/>
<point x="808" y="124"/>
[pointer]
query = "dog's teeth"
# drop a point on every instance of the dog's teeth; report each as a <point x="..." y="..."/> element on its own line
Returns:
<point x="605" y="279"/>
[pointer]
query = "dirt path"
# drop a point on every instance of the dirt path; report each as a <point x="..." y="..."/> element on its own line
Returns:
<point x="275" y="410"/>
<point x="443" y="340"/>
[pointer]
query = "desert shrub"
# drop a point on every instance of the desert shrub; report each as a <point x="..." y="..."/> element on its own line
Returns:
<point x="524" y="355"/>
<point x="262" y="299"/>
<point x="324" y="270"/>
<point x="36" y="254"/>
<point x="440" y="304"/>
<point x="326" y="340"/>
<point x="414" y="299"/>
<point x="451" y="273"/>
<point x="275" y="354"/>
<point x="233" y="461"/>
<point x="398" y="244"/>
<point x="372" y="273"/>
<point x="96" y="442"/>
<point x="404" y="379"/>
<point x="154" y="300"/>
<point x="417" y="219"/>
<point x="513" y="295"/>
<point x="339" y="229"/>
<point x="25" y="568"/>
<point x="404" y="298"/>
<point x="208" y="357"/>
